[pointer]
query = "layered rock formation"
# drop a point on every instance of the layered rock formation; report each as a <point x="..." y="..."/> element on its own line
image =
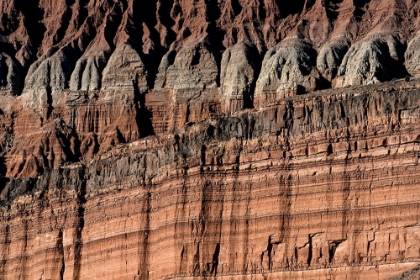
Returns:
<point x="237" y="138"/>
<point x="320" y="186"/>
<point x="187" y="49"/>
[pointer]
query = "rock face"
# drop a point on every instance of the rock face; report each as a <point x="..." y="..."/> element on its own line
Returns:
<point x="233" y="139"/>
<point x="320" y="186"/>
<point x="239" y="67"/>
<point x="287" y="70"/>
<point x="372" y="60"/>
<point x="412" y="56"/>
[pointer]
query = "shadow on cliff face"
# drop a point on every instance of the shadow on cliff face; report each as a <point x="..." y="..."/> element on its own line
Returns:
<point x="256" y="58"/>
<point x="396" y="65"/>
<point x="215" y="35"/>
<point x="3" y="167"/>
<point x="291" y="7"/>
<point x="33" y="18"/>
<point x="143" y="26"/>
<point x="332" y="7"/>
<point x="13" y="188"/>
<point x="143" y="116"/>
<point x="359" y="11"/>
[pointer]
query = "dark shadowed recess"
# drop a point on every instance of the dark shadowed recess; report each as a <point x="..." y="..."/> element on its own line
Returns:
<point x="3" y="167"/>
<point x="9" y="49"/>
<point x="65" y="22"/>
<point x="143" y="116"/>
<point x="255" y="58"/>
<point x="12" y="188"/>
<point x="332" y="8"/>
<point x="32" y="18"/>
<point x="216" y="34"/>
<point x="236" y="6"/>
<point x="359" y="11"/>
<point x="144" y="12"/>
<point x="291" y="7"/>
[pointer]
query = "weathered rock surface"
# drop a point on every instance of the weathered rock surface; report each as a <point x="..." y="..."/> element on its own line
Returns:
<point x="318" y="186"/>
<point x="372" y="60"/>
<point x="412" y="56"/>
<point x="408" y="275"/>
<point x="88" y="70"/>
<point x="183" y="46"/>
<point x="239" y="68"/>
<point x="331" y="55"/>
<point x="125" y="72"/>
<point x="169" y="139"/>
<point x="10" y="79"/>
<point x="287" y="70"/>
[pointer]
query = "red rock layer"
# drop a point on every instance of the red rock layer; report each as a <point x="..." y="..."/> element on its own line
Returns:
<point x="112" y="72"/>
<point x="320" y="186"/>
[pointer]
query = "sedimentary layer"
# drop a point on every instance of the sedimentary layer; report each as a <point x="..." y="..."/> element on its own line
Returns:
<point x="319" y="186"/>
<point x="93" y="74"/>
<point x="235" y="139"/>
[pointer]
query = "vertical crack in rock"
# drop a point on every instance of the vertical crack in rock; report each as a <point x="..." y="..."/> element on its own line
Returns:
<point x="60" y="251"/>
<point x="268" y="252"/>
<point x="182" y="216"/>
<point x="183" y="261"/>
<point x="200" y="264"/>
<point x="144" y="235"/>
<point x="24" y="256"/>
<point x="80" y="224"/>
<point x="215" y="260"/>
<point x="369" y="245"/>
<point x="247" y="264"/>
<point x="285" y="204"/>
<point x="310" y="250"/>
<point x="346" y="214"/>
<point x="196" y="261"/>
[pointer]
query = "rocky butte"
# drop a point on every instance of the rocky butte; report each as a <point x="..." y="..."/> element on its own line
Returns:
<point x="229" y="139"/>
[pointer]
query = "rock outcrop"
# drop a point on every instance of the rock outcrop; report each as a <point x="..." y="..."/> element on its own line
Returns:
<point x="322" y="186"/>
<point x="184" y="46"/>
<point x="372" y="60"/>
<point x="239" y="68"/>
<point x="233" y="139"/>
<point x="287" y="70"/>
<point x="331" y="55"/>
<point x="412" y="56"/>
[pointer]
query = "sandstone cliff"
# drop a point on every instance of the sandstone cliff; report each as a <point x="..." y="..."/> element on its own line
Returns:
<point x="113" y="72"/>
<point x="235" y="138"/>
<point x="319" y="186"/>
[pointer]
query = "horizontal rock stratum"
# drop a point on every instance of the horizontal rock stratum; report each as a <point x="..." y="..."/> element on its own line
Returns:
<point x="232" y="139"/>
